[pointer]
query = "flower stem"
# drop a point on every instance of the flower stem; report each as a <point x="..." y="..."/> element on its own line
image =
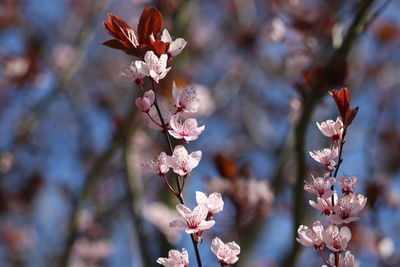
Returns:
<point x="169" y="186"/>
<point x="323" y="256"/>
<point x="180" y="188"/>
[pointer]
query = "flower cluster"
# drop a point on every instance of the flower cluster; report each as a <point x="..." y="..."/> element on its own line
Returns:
<point x="154" y="49"/>
<point x="339" y="211"/>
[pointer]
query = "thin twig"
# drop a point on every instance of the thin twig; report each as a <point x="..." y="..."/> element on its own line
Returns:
<point x="320" y="88"/>
<point x="179" y="196"/>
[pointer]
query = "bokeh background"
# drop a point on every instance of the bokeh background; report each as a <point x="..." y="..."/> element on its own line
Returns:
<point x="71" y="191"/>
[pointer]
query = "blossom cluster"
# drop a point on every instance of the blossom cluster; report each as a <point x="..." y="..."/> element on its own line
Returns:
<point x="153" y="49"/>
<point x="338" y="211"/>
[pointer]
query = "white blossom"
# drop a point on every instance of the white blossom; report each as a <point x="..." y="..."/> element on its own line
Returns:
<point x="183" y="163"/>
<point x="192" y="221"/>
<point x="153" y="66"/>
<point x="226" y="253"/>
<point x="176" y="46"/>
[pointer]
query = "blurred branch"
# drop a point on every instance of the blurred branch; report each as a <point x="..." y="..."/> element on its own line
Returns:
<point x="320" y="88"/>
<point x="135" y="189"/>
<point x="93" y="175"/>
<point x="30" y="121"/>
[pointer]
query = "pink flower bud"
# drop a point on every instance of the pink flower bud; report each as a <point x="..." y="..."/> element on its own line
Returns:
<point x="144" y="103"/>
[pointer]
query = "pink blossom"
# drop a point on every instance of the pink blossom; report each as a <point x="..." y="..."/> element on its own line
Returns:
<point x="226" y="253"/>
<point x="320" y="186"/>
<point x="183" y="163"/>
<point x="214" y="202"/>
<point x="158" y="165"/>
<point x="132" y="74"/>
<point x="144" y="103"/>
<point x="175" y="47"/>
<point x="347" y="209"/>
<point x="192" y="221"/>
<point x="336" y="239"/>
<point x="347" y="261"/>
<point x="153" y="66"/>
<point x="325" y="205"/>
<point x="325" y="157"/>
<point x="347" y="184"/>
<point x="186" y="100"/>
<point x="332" y="129"/>
<point x="187" y="130"/>
<point x="311" y="236"/>
<point x="175" y="259"/>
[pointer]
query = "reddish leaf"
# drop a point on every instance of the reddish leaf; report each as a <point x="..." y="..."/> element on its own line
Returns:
<point x="119" y="29"/>
<point x="342" y="99"/>
<point x="151" y="22"/>
<point x="350" y="114"/>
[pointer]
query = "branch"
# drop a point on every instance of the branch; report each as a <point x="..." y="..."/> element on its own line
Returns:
<point x="91" y="179"/>
<point x="320" y="89"/>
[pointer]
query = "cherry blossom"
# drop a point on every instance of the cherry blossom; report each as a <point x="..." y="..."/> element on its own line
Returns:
<point x="175" y="47"/>
<point x="132" y="74"/>
<point x="153" y="66"/>
<point x="325" y="157"/>
<point x="336" y="239"/>
<point x="158" y="165"/>
<point x="192" y="221"/>
<point x="183" y="163"/>
<point x="226" y="253"/>
<point x="320" y="186"/>
<point x="175" y="259"/>
<point x="214" y="202"/>
<point x="187" y="130"/>
<point x="186" y="100"/>
<point x="311" y="236"/>
<point x="347" y="261"/>
<point x="332" y="129"/>
<point x="347" y="184"/>
<point x="347" y="209"/>
<point x="325" y="205"/>
<point x="144" y="103"/>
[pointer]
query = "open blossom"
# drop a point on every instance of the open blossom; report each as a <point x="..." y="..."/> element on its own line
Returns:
<point x="132" y="74"/>
<point x="336" y="239"/>
<point x="183" y="163"/>
<point x="332" y="129"/>
<point x="153" y="66"/>
<point x="158" y="165"/>
<point x="187" y="130"/>
<point x="347" y="209"/>
<point x="325" y="205"/>
<point x="226" y="253"/>
<point x="175" y="47"/>
<point x="144" y="103"/>
<point x="192" y="221"/>
<point x="347" y="261"/>
<point x="311" y="236"/>
<point x="325" y="157"/>
<point x="347" y="184"/>
<point x="186" y="100"/>
<point x="320" y="186"/>
<point x="214" y="202"/>
<point x="175" y="259"/>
